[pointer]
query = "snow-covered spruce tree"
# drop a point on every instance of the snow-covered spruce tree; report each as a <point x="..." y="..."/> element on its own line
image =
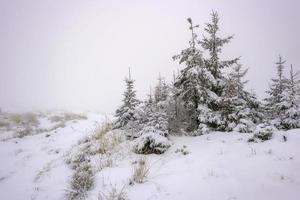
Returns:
<point x="157" y="121"/>
<point x="161" y="90"/>
<point x="153" y="136"/>
<point x="255" y="106"/>
<point x="212" y="113"/>
<point x="127" y="112"/>
<point x="201" y="84"/>
<point x="187" y="83"/>
<point x="176" y="110"/>
<point x="240" y="108"/>
<point x="274" y="107"/>
<point x="213" y="44"/>
<point x="290" y="102"/>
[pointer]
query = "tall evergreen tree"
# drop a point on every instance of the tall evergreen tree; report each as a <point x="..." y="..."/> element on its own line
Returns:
<point x="161" y="90"/>
<point x="240" y="108"/>
<point x="201" y="83"/>
<point x="290" y="101"/>
<point x="278" y="85"/>
<point x="153" y="115"/>
<point x="126" y="112"/>
<point x="175" y="110"/>
<point x="237" y="75"/>
<point x="187" y="84"/>
<point x="212" y="111"/>
<point x="213" y="44"/>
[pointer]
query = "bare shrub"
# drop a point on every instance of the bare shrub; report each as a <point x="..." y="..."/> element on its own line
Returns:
<point x="141" y="171"/>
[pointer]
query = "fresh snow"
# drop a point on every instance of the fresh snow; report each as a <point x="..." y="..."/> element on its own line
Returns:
<point x="33" y="167"/>
<point x="215" y="166"/>
<point x="218" y="166"/>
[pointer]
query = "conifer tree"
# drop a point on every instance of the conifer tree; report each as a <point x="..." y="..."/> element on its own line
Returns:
<point x="237" y="75"/>
<point x="153" y="113"/>
<point x="157" y="115"/>
<point x="152" y="136"/>
<point x="290" y="101"/>
<point x="213" y="44"/>
<point x="278" y="85"/>
<point x="126" y="112"/>
<point x="150" y="99"/>
<point x="161" y="90"/>
<point x="175" y="110"/>
<point x="240" y="108"/>
<point x="187" y="84"/>
<point x="201" y="84"/>
<point x="212" y="112"/>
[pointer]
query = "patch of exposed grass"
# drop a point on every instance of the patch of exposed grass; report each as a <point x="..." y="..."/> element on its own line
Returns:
<point x="15" y="118"/>
<point x="141" y="171"/>
<point x="25" y="131"/>
<point x="4" y="123"/>
<point x="114" y="194"/>
<point x="24" y="118"/>
<point x="56" y="118"/>
<point x="82" y="181"/>
<point x="104" y="140"/>
<point x="73" y="116"/>
<point x="91" y="155"/>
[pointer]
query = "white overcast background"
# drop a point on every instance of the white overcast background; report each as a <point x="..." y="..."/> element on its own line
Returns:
<point x="75" y="54"/>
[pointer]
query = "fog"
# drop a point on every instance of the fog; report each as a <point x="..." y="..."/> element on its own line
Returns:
<point x="75" y="54"/>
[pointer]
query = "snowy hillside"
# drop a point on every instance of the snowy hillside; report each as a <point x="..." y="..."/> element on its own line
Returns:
<point x="214" y="166"/>
<point x="33" y="167"/>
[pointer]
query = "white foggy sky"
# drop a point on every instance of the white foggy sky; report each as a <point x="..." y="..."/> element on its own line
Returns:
<point x="75" y="54"/>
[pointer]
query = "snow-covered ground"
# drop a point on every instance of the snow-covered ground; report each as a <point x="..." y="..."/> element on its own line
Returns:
<point x="210" y="167"/>
<point x="33" y="167"/>
<point x="218" y="166"/>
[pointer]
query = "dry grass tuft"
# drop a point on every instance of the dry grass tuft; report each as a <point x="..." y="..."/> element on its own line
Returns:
<point x="92" y="154"/>
<point x="101" y="130"/>
<point x="3" y="123"/>
<point x="27" y="130"/>
<point x="141" y="171"/>
<point x="82" y="181"/>
<point x="114" y="194"/>
<point x="73" y="116"/>
<point x="25" y="118"/>
<point x="105" y="139"/>
<point x="56" y="118"/>
<point x="15" y="118"/>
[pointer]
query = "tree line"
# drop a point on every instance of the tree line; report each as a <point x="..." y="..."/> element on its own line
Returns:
<point x="208" y="94"/>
